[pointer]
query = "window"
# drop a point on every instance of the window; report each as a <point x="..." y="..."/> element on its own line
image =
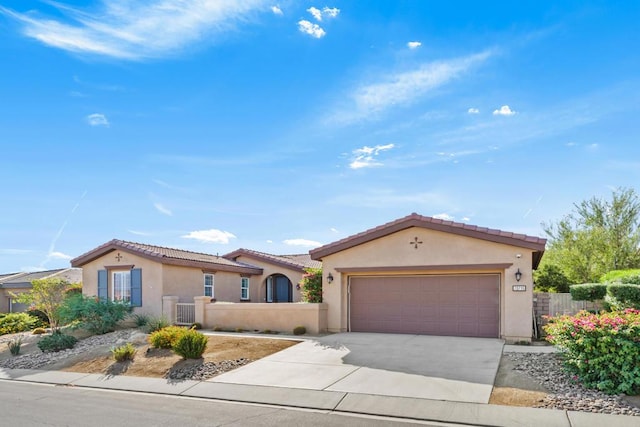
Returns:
<point x="244" y="288"/>
<point x="208" y="285"/>
<point x="269" y="289"/>
<point x="121" y="286"/>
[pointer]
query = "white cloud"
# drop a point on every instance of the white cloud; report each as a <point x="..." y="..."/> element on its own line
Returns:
<point x="505" y="110"/>
<point x="334" y="230"/>
<point x="473" y="111"/>
<point x="58" y="255"/>
<point x="276" y="9"/>
<point x="163" y="210"/>
<point x="97" y="120"/>
<point x="210" y="236"/>
<point x="269" y="241"/>
<point x="366" y="156"/>
<point x="316" y="13"/>
<point x="330" y="12"/>
<point x="414" y="45"/>
<point x="136" y="30"/>
<point x="571" y="144"/>
<point x="444" y="216"/>
<point x="404" y="88"/>
<point x="314" y="30"/>
<point x="139" y="233"/>
<point x="466" y="219"/>
<point x="302" y="242"/>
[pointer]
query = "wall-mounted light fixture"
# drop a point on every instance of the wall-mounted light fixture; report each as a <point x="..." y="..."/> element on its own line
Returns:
<point x="329" y="278"/>
<point x="518" y="275"/>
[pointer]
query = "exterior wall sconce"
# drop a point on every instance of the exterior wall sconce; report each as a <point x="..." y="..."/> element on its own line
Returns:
<point x="518" y="275"/>
<point x="330" y="278"/>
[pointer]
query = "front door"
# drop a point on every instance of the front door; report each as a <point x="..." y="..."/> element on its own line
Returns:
<point x="283" y="293"/>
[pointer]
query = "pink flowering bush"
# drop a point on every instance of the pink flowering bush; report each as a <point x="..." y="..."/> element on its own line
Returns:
<point x="603" y="350"/>
<point x="311" y="285"/>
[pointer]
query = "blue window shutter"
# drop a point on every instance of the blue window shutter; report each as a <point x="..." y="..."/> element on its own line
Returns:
<point x="136" y="287"/>
<point x="102" y="284"/>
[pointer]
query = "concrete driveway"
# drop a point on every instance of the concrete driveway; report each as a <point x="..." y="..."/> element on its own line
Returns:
<point x="441" y="368"/>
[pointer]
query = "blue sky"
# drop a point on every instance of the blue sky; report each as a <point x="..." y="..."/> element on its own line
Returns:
<point x="277" y="126"/>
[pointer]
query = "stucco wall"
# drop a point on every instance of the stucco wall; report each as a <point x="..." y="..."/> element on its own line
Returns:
<point x="438" y="249"/>
<point x="188" y="282"/>
<point x="5" y="295"/>
<point x="281" y="317"/>
<point x="151" y="278"/>
<point x="258" y="291"/>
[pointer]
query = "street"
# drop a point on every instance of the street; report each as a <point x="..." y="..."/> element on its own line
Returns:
<point x="27" y="404"/>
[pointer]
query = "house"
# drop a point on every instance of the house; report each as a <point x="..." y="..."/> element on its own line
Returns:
<point x="422" y="275"/>
<point x="17" y="283"/>
<point x="281" y="274"/>
<point x="146" y="275"/>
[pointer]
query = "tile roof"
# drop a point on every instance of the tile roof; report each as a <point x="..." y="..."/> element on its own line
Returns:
<point x="167" y="256"/>
<point x="296" y="261"/>
<point x="16" y="280"/>
<point x="415" y="220"/>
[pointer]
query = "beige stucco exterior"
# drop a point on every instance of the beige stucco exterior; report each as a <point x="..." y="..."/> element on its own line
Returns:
<point x="6" y="304"/>
<point x="439" y="253"/>
<point x="258" y="284"/>
<point x="160" y="279"/>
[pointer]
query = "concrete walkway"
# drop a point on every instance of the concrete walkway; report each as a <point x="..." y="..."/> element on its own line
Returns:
<point x="416" y="366"/>
<point x="474" y="414"/>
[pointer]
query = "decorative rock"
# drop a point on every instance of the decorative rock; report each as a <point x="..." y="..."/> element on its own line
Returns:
<point x="565" y="391"/>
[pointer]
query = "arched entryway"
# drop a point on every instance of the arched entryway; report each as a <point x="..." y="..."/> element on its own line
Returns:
<point x="279" y="288"/>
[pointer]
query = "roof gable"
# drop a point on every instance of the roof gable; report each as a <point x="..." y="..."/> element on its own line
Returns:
<point x="166" y="255"/>
<point x="295" y="262"/>
<point x="537" y="244"/>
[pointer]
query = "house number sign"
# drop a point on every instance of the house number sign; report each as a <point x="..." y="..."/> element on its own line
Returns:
<point x="519" y="288"/>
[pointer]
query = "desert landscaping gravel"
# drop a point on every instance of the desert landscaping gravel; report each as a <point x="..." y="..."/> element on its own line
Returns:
<point x="547" y="369"/>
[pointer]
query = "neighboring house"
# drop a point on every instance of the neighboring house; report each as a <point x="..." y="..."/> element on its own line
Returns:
<point x="143" y="274"/>
<point x="17" y="283"/>
<point x="280" y="274"/>
<point x="422" y="275"/>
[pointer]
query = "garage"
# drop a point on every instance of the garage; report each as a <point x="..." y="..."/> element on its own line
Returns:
<point x="466" y="305"/>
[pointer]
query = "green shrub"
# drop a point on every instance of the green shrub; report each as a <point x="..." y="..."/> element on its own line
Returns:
<point x="12" y="323"/>
<point x="124" y="352"/>
<point x="14" y="346"/>
<point x="39" y="331"/>
<point x="140" y="320"/>
<point x="56" y="342"/>
<point x="622" y="276"/>
<point x="155" y="323"/>
<point x="166" y="337"/>
<point x="621" y="296"/>
<point x="190" y="345"/>
<point x="196" y="325"/>
<point x="239" y="330"/>
<point x="43" y="320"/>
<point x="601" y="349"/>
<point x="311" y="285"/>
<point x="588" y="291"/>
<point x="97" y="316"/>
<point x="299" y="330"/>
<point x="217" y="328"/>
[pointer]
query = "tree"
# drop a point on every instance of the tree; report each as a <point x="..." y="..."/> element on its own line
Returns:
<point x="597" y="237"/>
<point x="550" y="278"/>
<point x="46" y="295"/>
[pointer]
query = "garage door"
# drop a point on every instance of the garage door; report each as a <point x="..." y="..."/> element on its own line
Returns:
<point x="452" y="305"/>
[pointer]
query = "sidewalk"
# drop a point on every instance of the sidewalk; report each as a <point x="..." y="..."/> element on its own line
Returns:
<point x="474" y="414"/>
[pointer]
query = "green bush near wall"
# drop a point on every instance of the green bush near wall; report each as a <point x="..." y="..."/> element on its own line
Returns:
<point x="588" y="291"/>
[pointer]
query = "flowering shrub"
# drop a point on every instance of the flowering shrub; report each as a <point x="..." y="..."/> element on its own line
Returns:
<point x="603" y="350"/>
<point x="311" y="285"/>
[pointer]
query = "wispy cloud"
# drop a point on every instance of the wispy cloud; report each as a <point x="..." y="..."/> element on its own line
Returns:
<point x="366" y="157"/>
<point x="210" y="236"/>
<point x="302" y="242"/>
<point x="330" y="12"/>
<point x="136" y="30"/>
<point x="316" y="13"/>
<point x="162" y="209"/>
<point x="444" y="216"/>
<point x="403" y="88"/>
<point x="334" y="230"/>
<point x="473" y="111"/>
<point x="58" y="255"/>
<point x="97" y="120"/>
<point x="505" y="110"/>
<point x="52" y="253"/>
<point x="414" y="45"/>
<point x="276" y="10"/>
<point x="314" y="30"/>
<point x="139" y="233"/>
